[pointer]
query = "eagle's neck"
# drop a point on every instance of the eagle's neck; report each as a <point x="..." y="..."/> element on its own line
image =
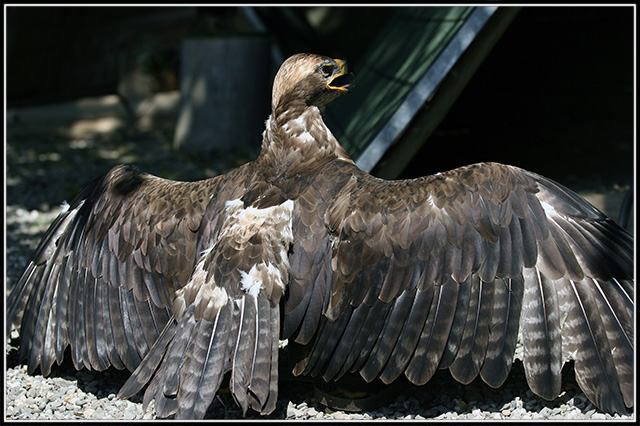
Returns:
<point x="299" y="139"/>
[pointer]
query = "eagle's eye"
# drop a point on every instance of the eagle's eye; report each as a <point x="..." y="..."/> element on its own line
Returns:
<point x="327" y="70"/>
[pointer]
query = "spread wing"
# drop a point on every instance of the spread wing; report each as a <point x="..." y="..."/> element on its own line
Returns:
<point x="404" y="277"/>
<point x="228" y="313"/>
<point x="103" y="278"/>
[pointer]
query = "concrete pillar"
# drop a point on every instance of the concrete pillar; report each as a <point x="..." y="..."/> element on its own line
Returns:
<point x="225" y="93"/>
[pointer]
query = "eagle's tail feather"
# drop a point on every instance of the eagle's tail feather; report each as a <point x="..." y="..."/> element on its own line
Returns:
<point x="190" y="359"/>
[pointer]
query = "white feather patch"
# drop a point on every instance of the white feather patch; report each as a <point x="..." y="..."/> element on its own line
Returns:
<point x="297" y="123"/>
<point x="548" y="208"/>
<point x="306" y="136"/>
<point x="233" y="204"/>
<point x="240" y="220"/>
<point x="253" y="281"/>
<point x="431" y="201"/>
<point x="64" y="207"/>
<point x="244" y="223"/>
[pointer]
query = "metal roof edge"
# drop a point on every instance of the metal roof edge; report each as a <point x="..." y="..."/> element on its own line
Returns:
<point x="421" y="92"/>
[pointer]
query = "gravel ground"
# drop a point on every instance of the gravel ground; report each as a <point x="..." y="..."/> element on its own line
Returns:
<point x="44" y="169"/>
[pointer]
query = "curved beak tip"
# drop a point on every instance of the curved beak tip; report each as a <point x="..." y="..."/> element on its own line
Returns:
<point x="342" y="81"/>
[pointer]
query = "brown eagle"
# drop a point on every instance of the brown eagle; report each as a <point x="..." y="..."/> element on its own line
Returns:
<point x="183" y="282"/>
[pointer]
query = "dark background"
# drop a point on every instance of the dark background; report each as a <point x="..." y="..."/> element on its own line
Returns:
<point x="554" y="96"/>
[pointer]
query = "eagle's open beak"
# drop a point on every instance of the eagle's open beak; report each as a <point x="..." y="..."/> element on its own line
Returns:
<point x="343" y="80"/>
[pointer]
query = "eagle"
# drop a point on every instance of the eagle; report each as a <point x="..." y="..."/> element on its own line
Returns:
<point x="185" y="283"/>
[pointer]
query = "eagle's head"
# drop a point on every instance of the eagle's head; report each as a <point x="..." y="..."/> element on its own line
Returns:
<point x="307" y="79"/>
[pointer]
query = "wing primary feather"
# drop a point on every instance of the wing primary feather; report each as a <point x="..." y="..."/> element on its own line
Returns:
<point x="472" y="351"/>
<point x="327" y="341"/>
<point x="165" y="383"/>
<point x="619" y="332"/>
<point x="42" y="311"/>
<point x="132" y="323"/>
<point x="76" y="322"/>
<point x="146" y="318"/>
<point x="503" y="331"/>
<point x="126" y="352"/>
<point x="265" y="362"/>
<point x="373" y="313"/>
<point x="454" y="333"/>
<point x="594" y="363"/>
<point x="109" y="341"/>
<point x="19" y="297"/>
<point x="49" y="355"/>
<point x="49" y="344"/>
<point x="542" y="340"/>
<point x="99" y="347"/>
<point x="89" y="322"/>
<point x="62" y="308"/>
<point x="371" y="336"/>
<point x="28" y="320"/>
<point x="408" y="340"/>
<point x="177" y="355"/>
<point x="317" y="303"/>
<point x="388" y="336"/>
<point x="244" y="352"/>
<point x="145" y="370"/>
<point x="346" y="343"/>
<point x="435" y="334"/>
<point x="256" y="342"/>
<point x="272" y="398"/>
<point x="206" y="363"/>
